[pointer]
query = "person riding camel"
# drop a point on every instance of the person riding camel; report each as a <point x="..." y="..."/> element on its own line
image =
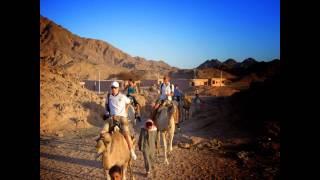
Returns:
<point x="166" y="93"/>
<point x="177" y="94"/>
<point x="116" y="109"/>
<point x="178" y="97"/>
<point x="132" y="89"/>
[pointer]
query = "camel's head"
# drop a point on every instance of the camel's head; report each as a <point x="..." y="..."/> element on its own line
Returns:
<point x="100" y="146"/>
<point x="103" y="142"/>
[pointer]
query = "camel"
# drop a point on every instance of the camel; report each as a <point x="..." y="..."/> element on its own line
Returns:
<point x="136" y="111"/>
<point x="114" y="150"/>
<point x="131" y="114"/>
<point x="165" y="121"/>
<point x="186" y="104"/>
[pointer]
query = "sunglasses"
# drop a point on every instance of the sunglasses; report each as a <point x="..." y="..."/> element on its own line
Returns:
<point x="113" y="87"/>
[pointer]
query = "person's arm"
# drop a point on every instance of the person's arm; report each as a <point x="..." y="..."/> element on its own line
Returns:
<point x="140" y="139"/>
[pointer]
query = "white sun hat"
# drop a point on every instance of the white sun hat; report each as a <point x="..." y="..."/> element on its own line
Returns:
<point x="115" y="84"/>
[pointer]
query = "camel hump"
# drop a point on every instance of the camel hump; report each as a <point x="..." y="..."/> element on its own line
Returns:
<point x="117" y="136"/>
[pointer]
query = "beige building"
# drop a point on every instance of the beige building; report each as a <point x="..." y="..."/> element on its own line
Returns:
<point x="216" y="82"/>
<point x="208" y="82"/>
<point x="198" y="82"/>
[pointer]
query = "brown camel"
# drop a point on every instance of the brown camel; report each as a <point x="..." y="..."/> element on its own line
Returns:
<point x="166" y="125"/>
<point x="114" y="150"/>
<point x="186" y="104"/>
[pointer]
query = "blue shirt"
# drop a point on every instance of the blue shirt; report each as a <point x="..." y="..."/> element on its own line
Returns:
<point x="177" y="92"/>
<point x="131" y="90"/>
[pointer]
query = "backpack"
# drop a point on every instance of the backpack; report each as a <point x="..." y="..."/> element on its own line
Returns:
<point x="107" y="104"/>
<point x="162" y="86"/>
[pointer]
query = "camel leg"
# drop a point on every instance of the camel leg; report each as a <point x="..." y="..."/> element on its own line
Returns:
<point x="165" y="147"/>
<point x="106" y="174"/>
<point x="130" y="170"/>
<point x="171" y="134"/>
<point x="158" y="142"/>
<point x="181" y="114"/>
<point x="138" y="110"/>
<point x="124" y="172"/>
<point x="188" y="116"/>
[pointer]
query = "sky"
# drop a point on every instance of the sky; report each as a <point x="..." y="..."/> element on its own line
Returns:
<point x="183" y="33"/>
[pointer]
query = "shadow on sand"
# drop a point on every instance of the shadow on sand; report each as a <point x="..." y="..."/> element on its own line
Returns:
<point x="82" y="162"/>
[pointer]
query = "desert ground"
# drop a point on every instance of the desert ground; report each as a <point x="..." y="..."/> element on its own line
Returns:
<point x="207" y="146"/>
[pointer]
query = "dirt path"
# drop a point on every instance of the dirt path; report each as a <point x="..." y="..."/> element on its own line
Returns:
<point x="73" y="156"/>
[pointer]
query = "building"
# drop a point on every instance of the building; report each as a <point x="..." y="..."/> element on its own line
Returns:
<point x="183" y="84"/>
<point x="208" y="82"/>
<point x="216" y="82"/>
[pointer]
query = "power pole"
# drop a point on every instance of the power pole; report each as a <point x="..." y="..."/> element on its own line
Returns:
<point x="99" y="82"/>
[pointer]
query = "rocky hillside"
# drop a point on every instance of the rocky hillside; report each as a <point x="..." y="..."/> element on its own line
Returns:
<point x="85" y="57"/>
<point x="64" y="104"/>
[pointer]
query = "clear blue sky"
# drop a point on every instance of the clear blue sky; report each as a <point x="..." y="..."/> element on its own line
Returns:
<point x="183" y="33"/>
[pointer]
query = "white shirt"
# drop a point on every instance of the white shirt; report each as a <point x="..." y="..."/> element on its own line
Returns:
<point x="166" y="90"/>
<point x="117" y="104"/>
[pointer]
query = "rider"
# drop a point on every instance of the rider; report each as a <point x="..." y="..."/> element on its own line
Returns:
<point x="197" y="101"/>
<point x="116" y="106"/>
<point x="177" y="97"/>
<point x="132" y="89"/>
<point x="177" y="94"/>
<point x="166" y="93"/>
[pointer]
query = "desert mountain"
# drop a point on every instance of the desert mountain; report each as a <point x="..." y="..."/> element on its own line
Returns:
<point x="85" y="57"/>
<point x="228" y="64"/>
<point x="246" y="71"/>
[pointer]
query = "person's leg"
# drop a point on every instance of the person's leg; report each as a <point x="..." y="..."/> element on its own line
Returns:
<point x="151" y="155"/>
<point x="126" y="134"/>
<point x="147" y="164"/>
<point x="134" y="100"/>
